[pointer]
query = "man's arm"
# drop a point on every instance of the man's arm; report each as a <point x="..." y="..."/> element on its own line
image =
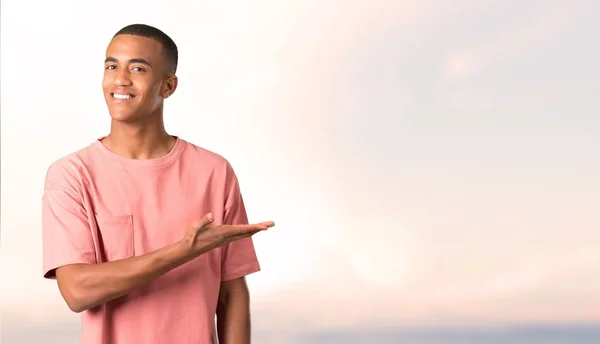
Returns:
<point x="86" y="286"/>
<point x="238" y="260"/>
<point x="233" y="312"/>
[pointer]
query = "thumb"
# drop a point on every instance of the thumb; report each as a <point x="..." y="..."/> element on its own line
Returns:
<point x="206" y="220"/>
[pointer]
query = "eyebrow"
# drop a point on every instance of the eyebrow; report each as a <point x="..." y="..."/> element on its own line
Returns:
<point x="134" y="60"/>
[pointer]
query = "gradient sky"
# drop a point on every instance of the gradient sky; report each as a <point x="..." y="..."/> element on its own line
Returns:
<point x="425" y="164"/>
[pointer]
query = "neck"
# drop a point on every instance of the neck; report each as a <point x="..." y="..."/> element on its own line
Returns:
<point x="139" y="140"/>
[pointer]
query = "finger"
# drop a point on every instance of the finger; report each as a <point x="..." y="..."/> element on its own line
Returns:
<point x="243" y="229"/>
<point x="261" y="226"/>
<point x="206" y="220"/>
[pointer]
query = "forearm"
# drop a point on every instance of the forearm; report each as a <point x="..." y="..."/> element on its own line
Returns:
<point x="233" y="317"/>
<point x="85" y="286"/>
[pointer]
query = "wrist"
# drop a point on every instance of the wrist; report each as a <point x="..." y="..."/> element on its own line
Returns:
<point x="187" y="249"/>
<point x="181" y="251"/>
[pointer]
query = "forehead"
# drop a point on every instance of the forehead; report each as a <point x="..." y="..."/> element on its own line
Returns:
<point x="124" y="47"/>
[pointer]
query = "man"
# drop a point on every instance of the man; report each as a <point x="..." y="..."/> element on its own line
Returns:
<point x="145" y="233"/>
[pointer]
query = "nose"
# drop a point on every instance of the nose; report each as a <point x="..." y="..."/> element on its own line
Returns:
<point x="123" y="78"/>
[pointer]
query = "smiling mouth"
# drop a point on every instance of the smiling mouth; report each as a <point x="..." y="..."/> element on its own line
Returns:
<point x="122" y="96"/>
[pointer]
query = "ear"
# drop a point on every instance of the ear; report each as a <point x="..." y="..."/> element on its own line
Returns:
<point x="169" y="86"/>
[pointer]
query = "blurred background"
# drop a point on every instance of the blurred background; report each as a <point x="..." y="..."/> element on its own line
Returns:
<point x="432" y="166"/>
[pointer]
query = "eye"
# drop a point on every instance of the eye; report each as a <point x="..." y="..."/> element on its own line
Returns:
<point x="110" y="67"/>
<point x="138" y="69"/>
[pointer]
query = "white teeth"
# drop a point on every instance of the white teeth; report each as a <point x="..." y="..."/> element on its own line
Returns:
<point x="122" y="96"/>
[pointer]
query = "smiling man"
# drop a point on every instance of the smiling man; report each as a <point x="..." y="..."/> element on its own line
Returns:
<point x="145" y="233"/>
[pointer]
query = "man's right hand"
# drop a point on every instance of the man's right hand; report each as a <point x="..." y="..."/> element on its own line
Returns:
<point x="201" y="237"/>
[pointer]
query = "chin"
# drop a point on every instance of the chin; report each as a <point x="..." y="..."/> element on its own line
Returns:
<point x="122" y="116"/>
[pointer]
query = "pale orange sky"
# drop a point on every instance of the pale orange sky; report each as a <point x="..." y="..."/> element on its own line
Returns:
<point x="424" y="164"/>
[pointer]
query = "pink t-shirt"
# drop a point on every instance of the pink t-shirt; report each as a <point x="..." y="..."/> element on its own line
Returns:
<point x="99" y="206"/>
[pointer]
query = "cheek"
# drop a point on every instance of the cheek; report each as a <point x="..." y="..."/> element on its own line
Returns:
<point x="154" y="93"/>
<point x="105" y="83"/>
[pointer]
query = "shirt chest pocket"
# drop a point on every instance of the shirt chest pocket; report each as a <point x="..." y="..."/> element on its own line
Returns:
<point x="116" y="236"/>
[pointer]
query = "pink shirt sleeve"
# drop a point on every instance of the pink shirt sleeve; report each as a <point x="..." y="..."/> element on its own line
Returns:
<point x="67" y="238"/>
<point x="238" y="257"/>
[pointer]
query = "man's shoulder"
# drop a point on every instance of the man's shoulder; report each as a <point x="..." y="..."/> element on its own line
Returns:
<point x="70" y="165"/>
<point x="206" y="156"/>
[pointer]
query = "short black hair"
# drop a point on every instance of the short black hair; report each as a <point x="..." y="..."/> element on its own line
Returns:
<point x="148" y="31"/>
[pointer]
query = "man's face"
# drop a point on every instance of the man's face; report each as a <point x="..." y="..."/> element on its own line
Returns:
<point x="135" y="83"/>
